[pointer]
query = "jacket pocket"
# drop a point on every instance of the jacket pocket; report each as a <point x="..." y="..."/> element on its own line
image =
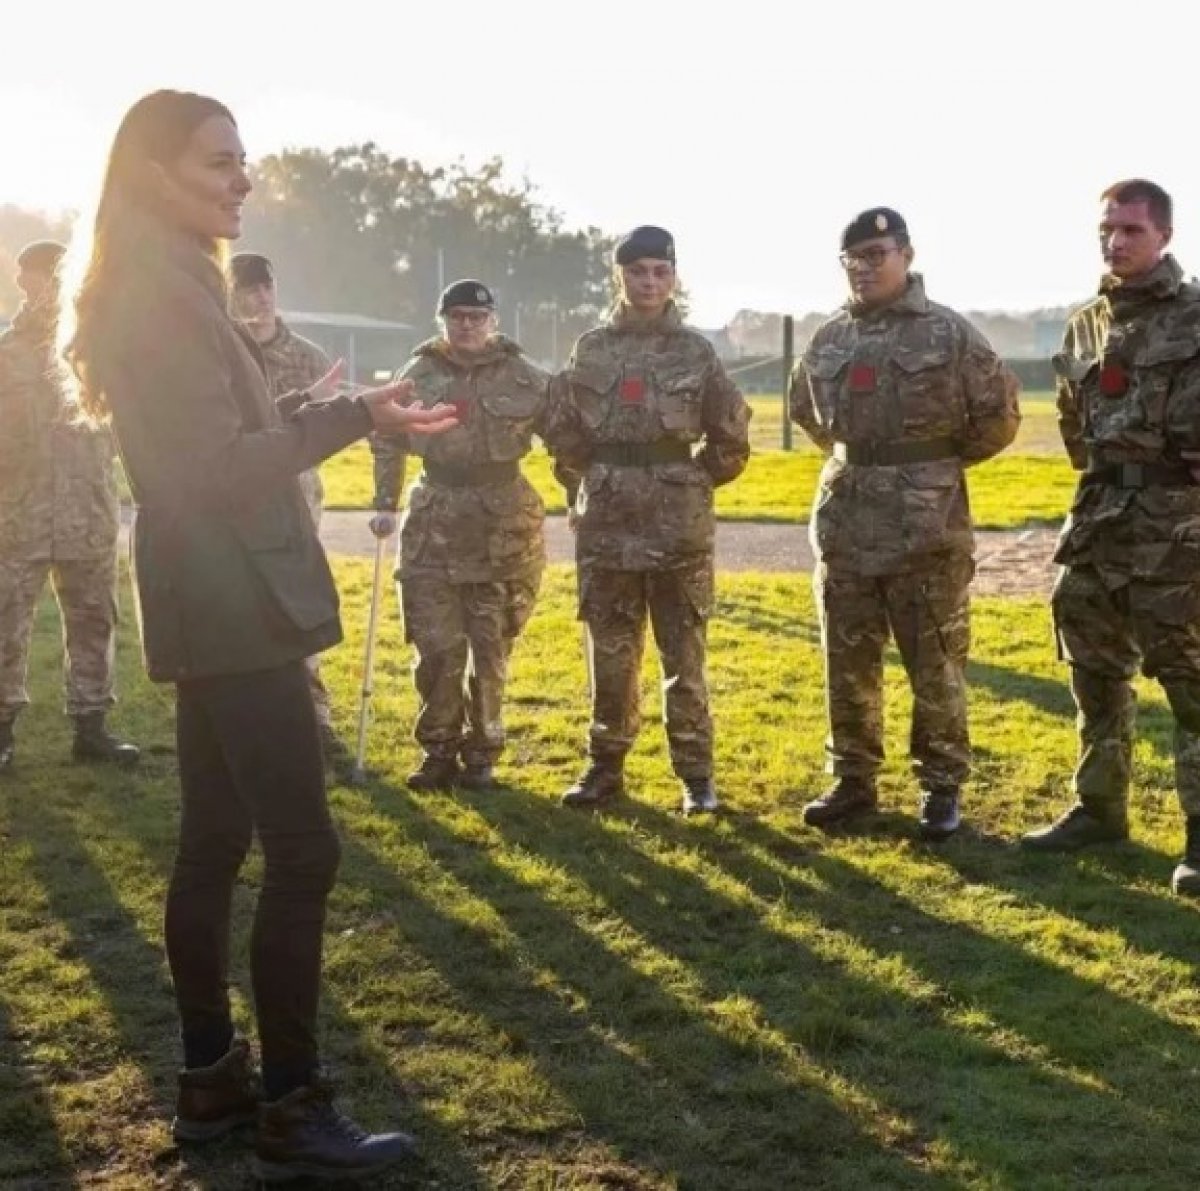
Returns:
<point x="592" y="387"/>
<point x="681" y="401"/>
<point x="934" y="506"/>
<point x="929" y="399"/>
<point x="514" y="532"/>
<point x="686" y="492"/>
<point x="510" y="416"/>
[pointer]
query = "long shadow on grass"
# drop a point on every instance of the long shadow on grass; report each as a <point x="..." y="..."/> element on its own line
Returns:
<point x="1096" y="887"/>
<point x="646" y="1072"/>
<point x="31" y="1151"/>
<point x="126" y="970"/>
<point x="360" y="1069"/>
<point x="1147" y="1062"/>
<point x="864" y="1032"/>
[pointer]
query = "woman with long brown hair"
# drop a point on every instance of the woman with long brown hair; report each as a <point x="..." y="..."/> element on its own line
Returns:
<point x="234" y="592"/>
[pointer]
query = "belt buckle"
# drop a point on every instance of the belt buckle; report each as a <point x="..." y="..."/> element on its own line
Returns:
<point x="1133" y="475"/>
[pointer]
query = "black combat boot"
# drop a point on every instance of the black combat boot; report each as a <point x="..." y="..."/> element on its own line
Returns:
<point x="7" y="745"/>
<point x="603" y="781"/>
<point x="940" y="817"/>
<point x="303" y="1134"/>
<point x="434" y="773"/>
<point x="848" y="798"/>
<point x="1079" y="827"/>
<point x="477" y="775"/>
<point x="214" y="1100"/>
<point x="699" y="796"/>
<point x="94" y="742"/>
<point x="1186" y="879"/>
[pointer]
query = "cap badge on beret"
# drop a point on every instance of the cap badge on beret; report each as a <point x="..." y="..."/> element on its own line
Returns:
<point x="881" y="222"/>
<point x="481" y="295"/>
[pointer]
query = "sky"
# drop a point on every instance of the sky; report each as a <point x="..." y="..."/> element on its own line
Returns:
<point x="753" y="130"/>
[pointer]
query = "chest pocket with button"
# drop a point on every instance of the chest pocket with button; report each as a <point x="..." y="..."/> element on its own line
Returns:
<point x="593" y="387"/>
<point x="681" y="402"/>
<point x="928" y="399"/>
<point x="510" y="404"/>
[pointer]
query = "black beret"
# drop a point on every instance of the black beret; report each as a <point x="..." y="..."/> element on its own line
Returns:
<point x="42" y="256"/>
<point x="467" y="292"/>
<point x="654" y="242"/>
<point x="873" y="223"/>
<point x="251" y="268"/>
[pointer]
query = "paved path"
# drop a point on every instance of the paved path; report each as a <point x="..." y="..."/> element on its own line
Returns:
<point x="1010" y="562"/>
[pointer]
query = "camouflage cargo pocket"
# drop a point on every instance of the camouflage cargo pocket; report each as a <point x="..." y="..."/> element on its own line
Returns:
<point x="514" y="523"/>
<point x="926" y="389"/>
<point x="680" y="402"/>
<point x="510" y="413"/>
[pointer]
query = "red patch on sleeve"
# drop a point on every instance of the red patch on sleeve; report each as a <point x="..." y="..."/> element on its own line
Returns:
<point x="862" y="378"/>
<point x="462" y="411"/>
<point x="1114" y="380"/>
<point x="633" y="390"/>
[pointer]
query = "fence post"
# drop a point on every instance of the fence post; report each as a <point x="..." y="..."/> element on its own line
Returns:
<point x="789" y="333"/>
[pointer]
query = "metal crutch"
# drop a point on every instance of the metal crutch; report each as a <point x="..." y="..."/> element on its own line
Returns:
<point x="358" y="775"/>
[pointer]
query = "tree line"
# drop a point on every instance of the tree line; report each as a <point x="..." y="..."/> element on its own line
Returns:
<point x="354" y="230"/>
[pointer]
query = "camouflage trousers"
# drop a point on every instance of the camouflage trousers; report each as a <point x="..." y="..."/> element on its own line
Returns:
<point x="86" y="591"/>
<point x="1106" y="635"/>
<point x="927" y="612"/>
<point x="462" y="635"/>
<point x="615" y="606"/>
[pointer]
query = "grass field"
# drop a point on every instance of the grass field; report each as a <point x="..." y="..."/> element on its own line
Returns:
<point x="554" y="1000"/>
<point x="1031" y="483"/>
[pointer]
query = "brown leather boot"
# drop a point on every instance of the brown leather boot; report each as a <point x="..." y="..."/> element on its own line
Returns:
<point x="1080" y="826"/>
<point x="434" y="773"/>
<point x="846" y="799"/>
<point x="603" y="781"/>
<point x="213" y="1100"/>
<point x="304" y="1135"/>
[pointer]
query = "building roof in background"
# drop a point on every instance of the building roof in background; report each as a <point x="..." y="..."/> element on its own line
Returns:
<point x="344" y="322"/>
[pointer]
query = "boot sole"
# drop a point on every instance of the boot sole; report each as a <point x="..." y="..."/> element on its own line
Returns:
<point x="198" y="1131"/>
<point x="841" y="819"/>
<point x="1062" y="849"/>
<point x="287" y="1172"/>
<point x="936" y="835"/>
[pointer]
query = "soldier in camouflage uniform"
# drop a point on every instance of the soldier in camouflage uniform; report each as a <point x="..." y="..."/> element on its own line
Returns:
<point x="903" y="394"/>
<point x="637" y="395"/>
<point x="293" y="364"/>
<point x="1129" y="593"/>
<point x="58" y="520"/>
<point x="471" y="543"/>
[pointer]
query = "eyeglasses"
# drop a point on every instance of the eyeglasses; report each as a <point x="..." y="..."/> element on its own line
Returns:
<point x="871" y="257"/>
<point x="467" y="318"/>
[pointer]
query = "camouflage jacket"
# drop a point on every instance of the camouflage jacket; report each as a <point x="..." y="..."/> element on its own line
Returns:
<point x="911" y="371"/>
<point x="58" y="494"/>
<point x="293" y="363"/>
<point x="1129" y="392"/>
<point x="656" y="384"/>
<point x="473" y="533"/>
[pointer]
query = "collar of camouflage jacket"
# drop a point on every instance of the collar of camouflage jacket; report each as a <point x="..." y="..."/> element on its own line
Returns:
<point x="912" y="301"/>
<point x="1163" y="281"/>
<point x="496" y="348"/>
<point x="283" y="333"/>
<point x="624" y="318"/>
